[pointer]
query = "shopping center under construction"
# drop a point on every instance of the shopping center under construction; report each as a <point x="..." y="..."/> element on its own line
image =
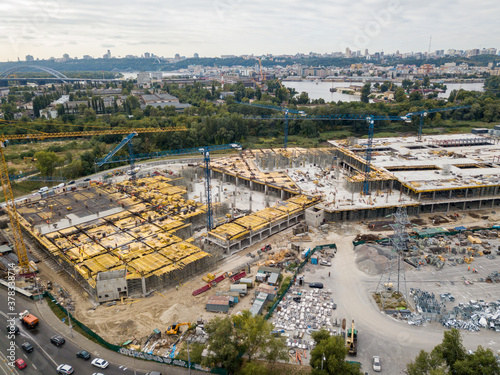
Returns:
<point x="129" y="238"/>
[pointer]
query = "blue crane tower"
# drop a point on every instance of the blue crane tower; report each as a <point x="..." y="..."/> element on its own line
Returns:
<point x="301" y="115"/>
<point x="131" y="159"/>
<point x="205" y="151"/>
<point x="423" y="114"/>
<point x="285" y="110"/>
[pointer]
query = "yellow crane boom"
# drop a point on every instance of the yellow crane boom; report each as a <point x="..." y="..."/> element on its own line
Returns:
<point x="24" y="266"/>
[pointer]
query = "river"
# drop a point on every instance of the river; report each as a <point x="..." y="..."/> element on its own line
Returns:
<point x="321" y="90"/>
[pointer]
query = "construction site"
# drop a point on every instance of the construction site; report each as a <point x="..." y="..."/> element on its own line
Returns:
<point x="125" y="239"/>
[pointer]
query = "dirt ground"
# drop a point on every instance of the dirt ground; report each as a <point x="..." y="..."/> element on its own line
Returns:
<point x="136" y="319"/>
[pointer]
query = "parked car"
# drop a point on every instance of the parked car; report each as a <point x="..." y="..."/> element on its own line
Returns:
<point x="99" y="362"/>
<point x="376" y="363"/>
<point x="325" y="263"/>
<point x="87" y="179"/>
<point x="27" y="347"/>
<point x="57" y="340"/>
<point x="20" y="363"/>
<point x="72" y="182"/>
<point x="83" y="354"/>
<point x="13" y="329"/>
<point x="64" y="369"/>
<point x="316" y="285"/>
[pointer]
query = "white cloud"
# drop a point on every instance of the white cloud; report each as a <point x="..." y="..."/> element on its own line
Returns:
<point x="47" y="28"/>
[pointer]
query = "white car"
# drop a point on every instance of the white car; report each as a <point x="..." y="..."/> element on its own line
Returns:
<point x="376" y="363"/>
<point x="99" y="362"/>
<point x="325" y="263"/>
<point x="64" y="369"/>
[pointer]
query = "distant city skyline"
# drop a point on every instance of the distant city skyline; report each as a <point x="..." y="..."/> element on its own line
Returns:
<point x="232" y="27"/>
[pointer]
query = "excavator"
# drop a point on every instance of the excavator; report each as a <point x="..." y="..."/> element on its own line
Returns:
<point x="174" y="328"/>
<point x="352" y="340"/>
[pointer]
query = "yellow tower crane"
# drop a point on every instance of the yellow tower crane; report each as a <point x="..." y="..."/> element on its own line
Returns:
<point x="25" y="269"/>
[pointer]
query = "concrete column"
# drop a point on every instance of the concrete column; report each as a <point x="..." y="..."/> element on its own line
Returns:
<point x="237" y="181"/>
<point x="492" y="203"/>
<point x="432" y="208"/>
<point x="466" y="192"/>
<point x="434" y="195"/>
<point x="143" y="283"/>
<point x="266" y="189"/>
<point x="419" y="196"/>
<point x="251" y="185"/>
<point x="448" y="209"/>
<point x="450" y="194"/>
<point x="480" y="201"/>
<point x="282" y="194"/>
<point x="250" y="202"/>
<point x="223" y="177"/>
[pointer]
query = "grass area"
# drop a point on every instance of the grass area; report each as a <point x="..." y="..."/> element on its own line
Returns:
<point x="64" y="318"/>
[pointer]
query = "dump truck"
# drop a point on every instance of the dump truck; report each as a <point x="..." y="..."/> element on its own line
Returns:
<point x="174" y="328"/>
<point x="352" y="340"/>
<point x="29" y="320"/>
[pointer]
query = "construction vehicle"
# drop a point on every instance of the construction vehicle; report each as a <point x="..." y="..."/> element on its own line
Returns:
<point x="352" y="340"/>
<point x="174" y="328"/>
<point x="29" y="320"/>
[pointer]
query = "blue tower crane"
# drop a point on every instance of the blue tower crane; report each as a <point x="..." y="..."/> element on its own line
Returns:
<point x="127" y="139"/>
<point x="364" y="117"/>
<point x="422" y="114"/>
<point x="205" y="150"/>
<point x="282" y="109"/>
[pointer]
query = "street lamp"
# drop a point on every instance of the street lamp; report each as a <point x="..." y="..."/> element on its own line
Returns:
<point x="69" y="320"/>
<point x="189" y="358"/>
<point x="322" y="359"/>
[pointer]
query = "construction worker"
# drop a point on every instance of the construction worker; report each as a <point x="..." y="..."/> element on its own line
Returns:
<point x="468" y="269"/>
<point x="328" y="274"/>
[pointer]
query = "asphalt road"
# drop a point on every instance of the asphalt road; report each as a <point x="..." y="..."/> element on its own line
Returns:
<point x="46" y="357"/>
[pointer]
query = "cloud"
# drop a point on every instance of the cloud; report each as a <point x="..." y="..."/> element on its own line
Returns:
<point x="46" y="28"/>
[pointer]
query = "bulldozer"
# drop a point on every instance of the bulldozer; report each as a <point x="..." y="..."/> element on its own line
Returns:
<point x="174" y="328"/>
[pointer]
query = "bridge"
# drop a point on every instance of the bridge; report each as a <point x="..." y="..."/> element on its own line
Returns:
<point x="55" y="76"/>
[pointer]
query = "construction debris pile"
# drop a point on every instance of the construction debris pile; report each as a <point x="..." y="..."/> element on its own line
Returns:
<point x="426" y="304"/>
<point x="303" y="312"/>
<point x="473" y="316"/>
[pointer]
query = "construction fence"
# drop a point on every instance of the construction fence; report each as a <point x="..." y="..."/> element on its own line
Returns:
<point x="130" y="352"/>
<point x="294" y="278"/>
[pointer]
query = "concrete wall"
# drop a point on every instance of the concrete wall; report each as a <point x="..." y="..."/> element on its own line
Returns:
<point x="111" y="285"/>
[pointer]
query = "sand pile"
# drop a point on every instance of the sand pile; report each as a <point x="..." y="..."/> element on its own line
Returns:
<point x="371" y="259"/>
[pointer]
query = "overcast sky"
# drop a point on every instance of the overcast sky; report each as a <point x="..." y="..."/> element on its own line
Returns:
<point x="45" y="28"/>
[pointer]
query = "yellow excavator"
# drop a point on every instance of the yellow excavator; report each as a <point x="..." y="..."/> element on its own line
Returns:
<point x="352" y="340"/>
<point x="174" y="328"/>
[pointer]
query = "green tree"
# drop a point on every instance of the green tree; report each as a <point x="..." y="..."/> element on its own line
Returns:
<point x="426" y="364"/>
<point x="451" y="349"/>
<point x="223" y="345"/>
<point x="365" y="92"/>
<point x="253" y="332"/>
<point x="416" y="95"/>
<point x="482" y="361"/>
<point x="329" y="355"/>
<point x="303" y="98"/>
<point x="253" y="368"/>
<point x="399" y="95"/>
<point x="46" y="162"/>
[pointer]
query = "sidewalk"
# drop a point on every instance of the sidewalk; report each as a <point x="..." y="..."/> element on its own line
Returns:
<point x="46" y="314"/>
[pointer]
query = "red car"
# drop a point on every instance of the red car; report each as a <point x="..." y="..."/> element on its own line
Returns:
<point x="20" y="363"/>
